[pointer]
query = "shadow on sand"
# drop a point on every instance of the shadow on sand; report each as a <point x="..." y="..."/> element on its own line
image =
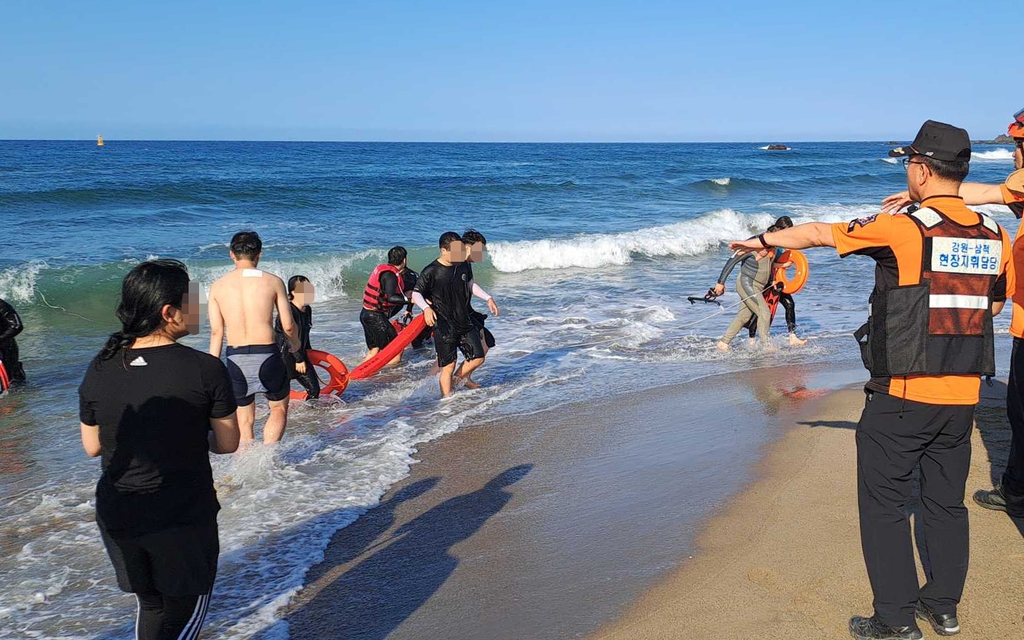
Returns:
<point x="371" y="587"/>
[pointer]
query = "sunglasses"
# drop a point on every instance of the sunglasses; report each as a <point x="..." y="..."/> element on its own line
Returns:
<point x="909" y="161"/>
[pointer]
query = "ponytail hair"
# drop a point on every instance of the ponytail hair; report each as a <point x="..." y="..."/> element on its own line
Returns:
<point x="144" y="292"/>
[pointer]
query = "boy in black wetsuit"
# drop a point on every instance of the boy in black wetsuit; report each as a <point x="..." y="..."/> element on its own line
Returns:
<point x="10" y="326"/>
<point x="448" y="283"/>
<point x="301" y="294"/>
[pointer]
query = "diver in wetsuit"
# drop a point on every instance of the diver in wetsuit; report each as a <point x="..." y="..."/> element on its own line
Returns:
<point x="755" y="274"/>
<point x="785" y="299"/>
<point x="10" y="326"/>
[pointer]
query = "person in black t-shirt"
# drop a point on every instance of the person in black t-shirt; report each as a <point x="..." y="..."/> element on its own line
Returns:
<point x="448" y="284"/>
<point x="153" y="410"/>
<point x="301" y="294"/>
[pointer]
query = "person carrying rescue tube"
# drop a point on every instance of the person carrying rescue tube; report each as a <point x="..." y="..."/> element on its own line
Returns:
<point x="785" y="299"/>
<point x="382" y="299"/>
<point x="448" y="284"/>
<point x="755" y="275"/>
<point x="10" y="326"/>
<point x="301" y="294"/>
<point x="941" y="273"/>
<point x="1008" y="495"/>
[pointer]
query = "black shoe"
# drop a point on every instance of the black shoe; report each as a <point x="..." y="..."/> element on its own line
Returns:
<point x="874" y="629"/>
<point x="943" y="623"/>
<point x="995" y="499"/>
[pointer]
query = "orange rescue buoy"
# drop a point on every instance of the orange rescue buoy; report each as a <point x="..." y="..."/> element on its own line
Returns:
<point x="799" y="279"/>
<point x="335" y="367"/>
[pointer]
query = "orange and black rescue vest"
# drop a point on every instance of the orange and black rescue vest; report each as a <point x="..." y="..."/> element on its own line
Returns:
<point x="374" y="298"/>
<point x="942" y="325"/>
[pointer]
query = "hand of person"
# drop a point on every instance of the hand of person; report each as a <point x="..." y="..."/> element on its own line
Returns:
<point x="744" y="247"/>
<point x="430" y="317"/>
<point x="719" y="289"/>
<point x="493" y="306"/>
<point x="300" y="367"/>
<point x="896" y="201"/>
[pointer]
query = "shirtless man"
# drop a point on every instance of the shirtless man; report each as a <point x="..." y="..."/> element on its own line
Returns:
<point x="243" y="302"/>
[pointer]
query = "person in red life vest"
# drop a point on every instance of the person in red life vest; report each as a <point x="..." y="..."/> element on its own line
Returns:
<point x="1008" y="495"/>
<point x="382" y="299"/>
<point x="447" y="283"/>
<point x="941" y="273"/>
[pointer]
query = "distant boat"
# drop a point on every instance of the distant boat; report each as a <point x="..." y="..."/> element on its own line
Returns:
<point x="99" y="141"/>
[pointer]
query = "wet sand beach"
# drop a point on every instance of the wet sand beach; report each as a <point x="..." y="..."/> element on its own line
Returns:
<point x="784" y="560"/>
<point x="550" y="525"/>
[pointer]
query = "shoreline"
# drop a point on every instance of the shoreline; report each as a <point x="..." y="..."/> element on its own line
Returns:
<point x="784" y="555"/>
<point x="551" y="525"/>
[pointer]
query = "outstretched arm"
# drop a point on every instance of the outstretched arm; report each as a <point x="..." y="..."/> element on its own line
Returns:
<point x="802" y="236"/>
<point x="973" y="193"/>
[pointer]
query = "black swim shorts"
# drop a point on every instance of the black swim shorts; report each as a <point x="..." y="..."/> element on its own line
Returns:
<point x="377" y="329"/>
<point x="448" y="345"/>
<point x="181" y="561"/>
<point x="258" y="368"/>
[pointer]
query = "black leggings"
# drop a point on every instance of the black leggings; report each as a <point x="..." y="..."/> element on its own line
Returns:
<point x="789" y="305"/>
<point x="170" y="617"/>
<point x="309" y="382"/>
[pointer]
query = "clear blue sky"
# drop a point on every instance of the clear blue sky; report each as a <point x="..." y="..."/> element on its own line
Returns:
<point x="495" y="70"/>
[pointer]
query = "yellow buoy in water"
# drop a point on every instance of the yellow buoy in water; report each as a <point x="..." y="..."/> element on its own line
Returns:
<point x="99" y="141"/>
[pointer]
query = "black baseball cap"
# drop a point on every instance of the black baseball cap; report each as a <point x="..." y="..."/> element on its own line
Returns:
<point x="940" y="141"/>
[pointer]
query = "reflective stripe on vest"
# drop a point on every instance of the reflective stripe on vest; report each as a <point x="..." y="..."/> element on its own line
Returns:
<point x="373" y="295"/>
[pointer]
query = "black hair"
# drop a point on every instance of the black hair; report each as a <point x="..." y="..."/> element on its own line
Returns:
<point x="246" y="245"/>
<point x="144" y="292"/>
<point x="472" y="236"/>
<point x="772" y="229"/>
<point x="784" y="222"/>
<point x="447" y="238"/>
<point x="293" y="282"/>
<point x="396" y="255"/>
<point x="955" y="171"/>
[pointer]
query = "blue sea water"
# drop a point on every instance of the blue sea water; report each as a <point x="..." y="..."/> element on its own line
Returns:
<point x="593" y="251"/>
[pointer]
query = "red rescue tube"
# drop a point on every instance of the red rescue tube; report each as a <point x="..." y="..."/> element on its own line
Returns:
<point x="388" y="353"/>
<point x="799" y="279"/>
<point x="5" y="381"/>
<point x="335" y="367"/>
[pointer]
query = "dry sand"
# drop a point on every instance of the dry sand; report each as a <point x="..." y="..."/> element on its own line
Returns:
<point x="783" y="560"/>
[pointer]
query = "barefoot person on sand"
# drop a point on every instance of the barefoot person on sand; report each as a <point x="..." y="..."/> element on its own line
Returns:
<point x="243" y="303"/>
<point x="448" y="284"/>
<point x="153" y="410"/>
<point x="942" y="272"/>
<point x="1008" y="495"/>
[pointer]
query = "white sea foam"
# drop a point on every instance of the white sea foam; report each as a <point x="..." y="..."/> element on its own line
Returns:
<point x="18" y="284"/>
<point x="891" y="160"/>
<point x="689" y="238"/>
<point x="725" y="182"/>
<point x="993" y="155"/>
